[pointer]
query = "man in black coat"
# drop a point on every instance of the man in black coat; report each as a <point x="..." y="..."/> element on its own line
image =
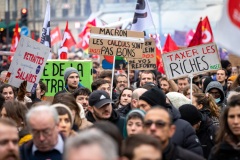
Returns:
<point x="185" y="135"/>
<point x="101" y="109"/>
<point x="203" y="125"/>
<point x="158" y="122"/>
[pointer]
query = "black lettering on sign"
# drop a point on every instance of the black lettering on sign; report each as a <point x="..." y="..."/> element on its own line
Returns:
<point x="80" y="70"/>
<point x="140" y="6"/>
<point x="189" y="66"/>
<point x="107" y="51"/>
<point x="55" y="69"/>
<point x="125" y="52"/>
<point x="45" y="70"/>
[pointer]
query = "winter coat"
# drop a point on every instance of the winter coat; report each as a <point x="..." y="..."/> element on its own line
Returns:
<point x="24" y="136"/>
<point x="123" y="111"/>
<point x="225" y="152"/>
<point x="206" y="112"/>
<point x="174" y="152"/>
<point x="217" y="85"/>
<point x="115" y="119"/>
<point x="184" y="135"/>
<point x="206" y="134"/>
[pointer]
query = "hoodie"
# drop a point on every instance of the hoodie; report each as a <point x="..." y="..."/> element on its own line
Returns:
<point x="217" y="85"/>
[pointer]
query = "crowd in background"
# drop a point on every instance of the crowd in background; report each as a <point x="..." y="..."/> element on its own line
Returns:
<point x="134" y="116"/>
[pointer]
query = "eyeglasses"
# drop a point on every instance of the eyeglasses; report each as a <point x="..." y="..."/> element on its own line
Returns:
<point x="45" y="132"/>
<point x="122" y="81"/>
<point x="158" y="124"/>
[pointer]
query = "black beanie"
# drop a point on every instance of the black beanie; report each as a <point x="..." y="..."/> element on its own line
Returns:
<point x="190" y="113"/>
<point x="154" y="96"/>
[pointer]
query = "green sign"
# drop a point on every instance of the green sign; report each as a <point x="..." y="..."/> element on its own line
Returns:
<point x="53" y="74"/>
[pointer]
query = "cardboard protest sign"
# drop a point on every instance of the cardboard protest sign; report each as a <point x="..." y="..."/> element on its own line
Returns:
<point x="148" y="60"/>
<point x="191" y="61"/>
<point x="53" y="74"/>
<point x="234" y="60"/>
<point x="116" y="42"/>
<point x="28" y="63"/>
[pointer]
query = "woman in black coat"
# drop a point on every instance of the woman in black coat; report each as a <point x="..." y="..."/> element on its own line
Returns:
<point x="228" y="138"/>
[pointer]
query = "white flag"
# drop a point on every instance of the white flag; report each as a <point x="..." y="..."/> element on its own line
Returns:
<point x="142" y="19"/>
<point x="228" y="28"/>
<point x="45" y="36"/>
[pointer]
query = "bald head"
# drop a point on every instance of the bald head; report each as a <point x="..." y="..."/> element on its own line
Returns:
<point x="135" y="96"/>
<point x="138" y="92"/>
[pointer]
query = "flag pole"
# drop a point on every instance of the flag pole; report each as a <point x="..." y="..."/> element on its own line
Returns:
<point x="113" y="69"/>
<point x="191" y="77"/>
<point x="128" y="75"/>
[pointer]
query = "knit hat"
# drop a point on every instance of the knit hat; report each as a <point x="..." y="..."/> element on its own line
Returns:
<point x="69" y="71"/>
<point x="140" y="112"/>
<point x="232" y="78"/>
<point x="190" y="113"/>
<point x="154" y="96"/>
<point x="177" y="99"/>
<point x="60" y="105"/>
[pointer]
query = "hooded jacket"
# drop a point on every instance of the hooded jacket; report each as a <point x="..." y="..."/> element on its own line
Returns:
<point x="184" y="135"/>
<point x="217" y="85"/>
<point x="115" y="119"/>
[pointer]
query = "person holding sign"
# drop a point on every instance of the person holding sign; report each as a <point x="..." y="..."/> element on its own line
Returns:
<point x="71" y="78"/>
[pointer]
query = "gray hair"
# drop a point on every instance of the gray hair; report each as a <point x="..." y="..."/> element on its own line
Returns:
<point x="90" y="137"/>
<point x="42" y="109"/>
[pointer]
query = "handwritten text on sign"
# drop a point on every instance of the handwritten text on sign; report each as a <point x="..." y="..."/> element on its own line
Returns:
<point x="53" y="74"/>
<point x="28" y="63"/>
<point x="114" y="42"/>
<point x="191" y="60"/>
<point x="148" y="60"/>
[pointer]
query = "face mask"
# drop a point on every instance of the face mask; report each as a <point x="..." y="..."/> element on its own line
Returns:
<point x="217" y="100"/>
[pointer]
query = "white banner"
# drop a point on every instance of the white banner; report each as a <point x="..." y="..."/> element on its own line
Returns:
<point x="228" y="28"/>
<point x="191" y="61"/>
<point x="28" y="63"/>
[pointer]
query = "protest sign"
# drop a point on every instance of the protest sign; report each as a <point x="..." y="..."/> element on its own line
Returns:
<point x="191" y="61"/>
<point x="148" y="60"/>
<point x="116" y="42"/>
<point x="53" y="74"/>
<point x="106" y="62"/>
<point x="28" y="63"/>
<point x="234" y="60"/>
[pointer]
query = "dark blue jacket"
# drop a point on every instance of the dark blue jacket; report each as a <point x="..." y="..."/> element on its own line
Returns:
<point x="184" y="135"/>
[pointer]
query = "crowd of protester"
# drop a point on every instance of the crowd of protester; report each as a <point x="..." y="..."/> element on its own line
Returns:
<point x="141" y="117"/>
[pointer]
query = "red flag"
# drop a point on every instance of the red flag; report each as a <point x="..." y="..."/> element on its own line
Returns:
<point x="207" y="35"/>
<point x="169" y="45"/>
<point x="67" y="42"/>
<point x="55" y="36"/>
<point x="15" y="40"/>
<point x="203" y="33"/>
<point x="197" y="37"/>
<point x="85" y="35"/>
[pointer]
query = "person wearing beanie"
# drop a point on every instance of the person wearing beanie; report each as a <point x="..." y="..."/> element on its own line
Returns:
<point x="185" y="135"/>
<point x="177" y="99"/>
<point x="71" y="78"/>
<point x="65" y="120"/>
<point x="203" y="125"/>
<point x="134" y="122"/>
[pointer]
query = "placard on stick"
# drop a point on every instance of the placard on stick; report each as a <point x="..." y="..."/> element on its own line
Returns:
<point x="53" y="74"/>
<point x="28" y="63"/>
<point x="148" y="60"/>
<point x="192" y="60"/>
<point x="116" y="42"/>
